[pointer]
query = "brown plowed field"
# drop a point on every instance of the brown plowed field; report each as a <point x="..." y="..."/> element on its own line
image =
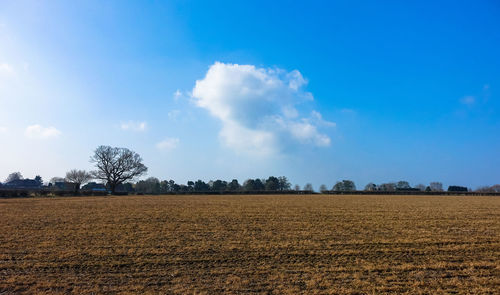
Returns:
<point x="312" y="244"/>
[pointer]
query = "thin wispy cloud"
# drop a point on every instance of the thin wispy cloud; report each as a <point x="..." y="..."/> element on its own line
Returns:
<point x="168" y="144"/>
<point x="468" y="100"/>
<point x="318" y="119"/>
<point x="173" y="114"/>
<point x="259" y="107"/>
<point x="39" y="132"/>
<point x="6" y="69"/>
<point x="134" y="126"/>
<point x="348" y="111"/>
<point x="177" y="94"/>
<point x="3" y="130"/>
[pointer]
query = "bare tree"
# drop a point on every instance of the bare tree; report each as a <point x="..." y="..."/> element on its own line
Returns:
<point x="14" y="176"/>
<point x="403" y="185"/>
<point x="495" y="188"/>
<point x="308" y="187"/>
<point x="370" y="187"/>
<point x="387" y="187"/>
<point x="489" y="189"/>
<point x="323" y="188"/>
<point x="436" y="186"/>
<point x="344" y="185"/>
<point x="78" y="177"/>
<point x="420" y="187"/>
<point x="116" y="165"/>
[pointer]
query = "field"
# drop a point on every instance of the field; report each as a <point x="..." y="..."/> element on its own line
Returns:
<point x="313" y="244"/>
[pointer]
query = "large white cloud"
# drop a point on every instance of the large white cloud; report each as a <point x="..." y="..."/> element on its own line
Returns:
<point x="259" y="107"/>
<point x="39" y="132"/>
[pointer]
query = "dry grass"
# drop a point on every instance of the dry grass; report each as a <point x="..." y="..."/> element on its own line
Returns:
<point x="251" y="244"/>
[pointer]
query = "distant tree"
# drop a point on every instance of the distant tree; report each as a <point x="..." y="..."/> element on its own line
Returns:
<point x="78" y="177"/>
<point x="183" y="188"/>
<point x="39" y="180"/>
<point x="219" y="185"/>
<point x="370" y="187"/>
<point x="150" y="186"/>
<point x="170" y="185"/>
<point x="141" y="187"/>
<point x="428" y="189"/>
<point x="339" y="186"/>
<point x="456" y="188"/>
<point x="126" y="187"/>
<point x="495" y="188"/>
<point x="284" y="184"/>
<point x="190" y="185"/>
<point x="55" y="179"/>
<point x="483" y="189"/>
<point x="173" y="187"/>
<point x="253" y="185"/>
<point x="323" y="188"/>
<point x="164" y="189"/>
<point x="296" y="187"/>
<point x="308" y="187"/>
<point x="201" y="186"/>
<point x="387" y="187"/>
<point x="402" y="185"/>
<point x="249" y="185"/>
<point x="116" y="165"/>
<point x="14" y="176"/>
<point x="349" y="185"/>
<point x="272" y="184"/>
<point x="260" y="184"/>
<point x="436" y="186"/>
<point x="344" y="185"/>
<point x="233" y="185"/>
<point x="489" y="189"/>
<point x="420" y="187"/>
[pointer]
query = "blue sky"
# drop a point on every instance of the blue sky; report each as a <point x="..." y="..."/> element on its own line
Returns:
<point x="318" y="91"/>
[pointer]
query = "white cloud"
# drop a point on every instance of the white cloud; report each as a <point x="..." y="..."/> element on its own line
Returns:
<point x="39" y="132"/>
<point x="6" y="69"/>
<point x="259" y="107"/>
<point x="3" y="130"/>
<point x="177" y="94"/>
<point x="318" y="119"/>
<point x="173" y="114"/>
<point x="168" y="144"/>
<point x="468" y="100"/>
<point x="134" y="126"/>
<point x="306" y="132"/>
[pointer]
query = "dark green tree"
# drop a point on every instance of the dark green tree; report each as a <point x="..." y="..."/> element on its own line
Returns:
<point x="219" y="185"/>
<point x="272" y="184"/>
<point x="284" y="184"/>
<point x="234" y="185"/>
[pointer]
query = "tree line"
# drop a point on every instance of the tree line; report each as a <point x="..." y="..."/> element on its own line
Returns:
<point x="117" y="168"/>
